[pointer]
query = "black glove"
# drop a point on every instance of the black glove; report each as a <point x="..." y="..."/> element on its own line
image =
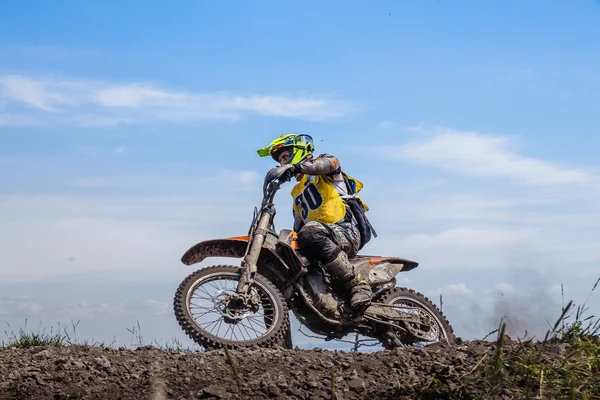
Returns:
<point x="295" y="169"/>
<point x="290" y="171"/>
<point x="284" y="173"/>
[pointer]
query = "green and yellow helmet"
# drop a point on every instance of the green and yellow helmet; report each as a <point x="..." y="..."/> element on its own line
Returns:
<point x="301" y="147"/>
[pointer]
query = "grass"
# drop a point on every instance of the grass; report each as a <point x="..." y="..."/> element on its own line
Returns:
<point x="565" y="364"/>
<point x="24" y="339"/>
<point x="67" y="336"/>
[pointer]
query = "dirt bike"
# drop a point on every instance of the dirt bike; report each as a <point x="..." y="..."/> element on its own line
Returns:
<point x="248" y="305"/>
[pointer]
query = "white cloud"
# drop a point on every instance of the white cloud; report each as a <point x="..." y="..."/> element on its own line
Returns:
<point x="557" y="289"/>
<point x="19" y="307"/>
<point x="523" y="74"/>
<point x="462" y="248"/>
<point x="121" y="149"/>
<point x="157" y="307"/>
<point x="456" y="208"/>
<point x="505" y="288"/>
<point x="469" y="237"/>
<point x="482" y="155"/>
<point x="96" y="244"/>
<point x="458" y="289"/>
<point x="7" y="119"/>
<point x="226" y="179"/>
<point x="83" y="308"/>
<point x="32" y="93"/>
<point x="135" y="96"/>
<point x="241" y="177"/>
<point x="139" y="238"/>
<point x="385" y="124"/>
<point x="91" y="183"/>
<point x="99" y="103"/>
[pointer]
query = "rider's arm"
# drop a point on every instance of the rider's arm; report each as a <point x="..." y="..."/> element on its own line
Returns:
<point x="325" y="164"/>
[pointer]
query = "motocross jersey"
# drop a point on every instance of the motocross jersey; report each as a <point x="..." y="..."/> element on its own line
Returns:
<point x="318" y="193"/>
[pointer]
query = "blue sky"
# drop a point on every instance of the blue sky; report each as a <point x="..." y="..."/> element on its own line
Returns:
<point x="128" y="132"/>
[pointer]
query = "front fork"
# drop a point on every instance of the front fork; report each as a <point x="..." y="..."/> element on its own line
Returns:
<point x="249" y="263"/>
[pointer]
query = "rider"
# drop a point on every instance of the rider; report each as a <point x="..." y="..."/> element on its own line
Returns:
<point x="327" y="229"/>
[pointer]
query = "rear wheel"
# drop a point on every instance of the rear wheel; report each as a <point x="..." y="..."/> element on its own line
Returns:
<point x="209" y="312"/>
<point x="432" y="328"/>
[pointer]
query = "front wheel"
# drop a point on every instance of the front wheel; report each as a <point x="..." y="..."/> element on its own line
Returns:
<point x="209" y="312"/>
<point x="433" y="326"/>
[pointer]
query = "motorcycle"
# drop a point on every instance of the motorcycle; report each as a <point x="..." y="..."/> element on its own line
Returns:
<point x="248" y="305"/>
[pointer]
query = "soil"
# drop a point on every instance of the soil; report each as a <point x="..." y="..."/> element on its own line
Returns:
<point x="82" y="372"/>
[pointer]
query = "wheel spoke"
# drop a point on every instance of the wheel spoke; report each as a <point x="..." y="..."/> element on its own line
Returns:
<point x="227" y="331"/>
<point x="244" y="326"/>
<point x="213" y="284"/>
<point x="205" y="291"/>
<point x="203" y="314"/>
<point x="252" y="327"/>
<point x="204" y="298"/>
<point x="233" y="331"/>
<point x="260" y="322"/>
<point x="219" y="326"/>
<point x="197" y="306"/>
<point x="206" y="306"/>
<point x="211" y="322"/>
<point x="214" y="324"/>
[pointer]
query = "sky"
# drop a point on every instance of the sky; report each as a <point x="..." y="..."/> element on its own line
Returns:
<point x="129" y="130"/>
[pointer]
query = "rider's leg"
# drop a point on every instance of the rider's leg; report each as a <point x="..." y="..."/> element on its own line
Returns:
<point x="328" y="244"/>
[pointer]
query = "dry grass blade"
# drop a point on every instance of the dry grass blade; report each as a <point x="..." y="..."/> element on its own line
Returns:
<point x="333" y="393"/>
<point x="233" y="369"/>
<point x="499" y="344"/>
<point x="475" y="367"/>
<point x="562" y="317"/>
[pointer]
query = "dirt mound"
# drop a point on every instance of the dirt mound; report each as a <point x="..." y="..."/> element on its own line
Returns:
<point x="80" y="372"/>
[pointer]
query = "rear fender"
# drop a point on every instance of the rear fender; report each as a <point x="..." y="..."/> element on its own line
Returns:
<point x="381" y="269"/>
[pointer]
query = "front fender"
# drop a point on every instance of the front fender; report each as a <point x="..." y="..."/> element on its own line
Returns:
<point x="236" y="247"/>
<point x="230" y="247"/>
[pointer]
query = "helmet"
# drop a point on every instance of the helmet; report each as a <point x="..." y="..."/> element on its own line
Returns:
<point x="301" y="146"/>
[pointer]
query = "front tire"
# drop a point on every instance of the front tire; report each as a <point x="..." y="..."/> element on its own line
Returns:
<point x="243" y="330"/>
<point x="436" y="327"/>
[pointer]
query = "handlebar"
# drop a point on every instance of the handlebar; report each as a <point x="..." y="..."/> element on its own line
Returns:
<point x="270" y="185"/>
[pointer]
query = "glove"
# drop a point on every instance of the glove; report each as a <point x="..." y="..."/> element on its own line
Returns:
<point x="283" y="173"/>
<point x="290" y="170"/>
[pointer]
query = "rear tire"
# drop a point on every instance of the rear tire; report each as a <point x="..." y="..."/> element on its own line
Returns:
<point x="441" y="328"/>
<point x="276" y="316"/>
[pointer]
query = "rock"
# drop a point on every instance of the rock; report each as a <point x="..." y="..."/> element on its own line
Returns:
<point x="479" y="350"/>
<point x="214" y="391"/>
<point x="339" y="396"/>
<point x="39" y="380"/>
<point x="558" y="349"/>
<point x="312" y="384"/>
<point x="42" y="354"/>
<point x="320" y="394"/>
<point x="345" y="365"/>
<point x="273" y="391"/>
<point x="102" y="363"/>
<point x="356" y="384"/>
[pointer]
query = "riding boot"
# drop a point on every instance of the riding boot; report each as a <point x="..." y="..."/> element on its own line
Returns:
<point x="360" y="290"/>
<point x="360" y="293"/>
